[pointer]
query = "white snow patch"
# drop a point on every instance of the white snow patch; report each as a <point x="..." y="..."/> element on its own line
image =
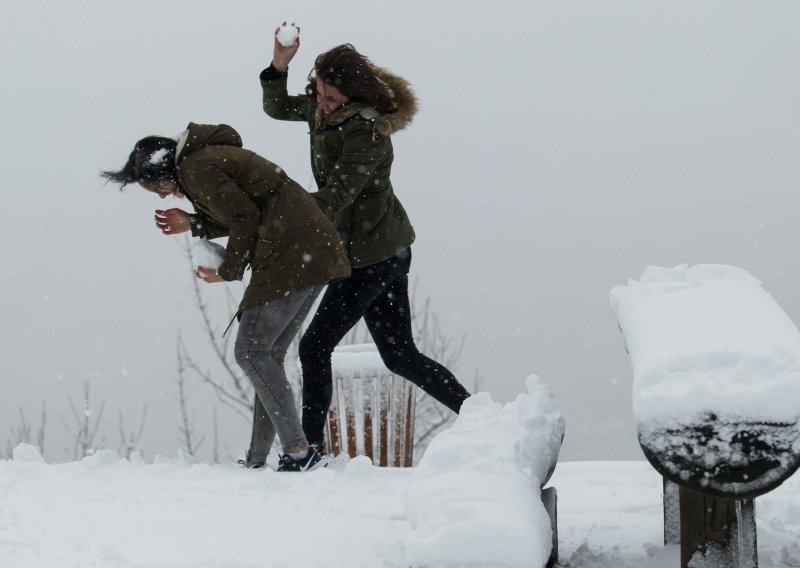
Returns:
<point x="158" y="156"/>
<point x="474" y="501"/>
<point x="708" y="338"/>
<point x="27" y="453"/>
<point x="475" y="498"/>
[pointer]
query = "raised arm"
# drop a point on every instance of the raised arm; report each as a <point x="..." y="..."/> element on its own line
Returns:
<point x="276" y="101"/>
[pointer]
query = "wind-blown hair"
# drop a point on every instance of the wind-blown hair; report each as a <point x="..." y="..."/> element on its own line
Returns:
<point x="152" y="160"/>
<point x="354" y="75"/>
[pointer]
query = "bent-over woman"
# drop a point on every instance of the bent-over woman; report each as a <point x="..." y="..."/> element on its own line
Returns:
<point x="274" y="228"/>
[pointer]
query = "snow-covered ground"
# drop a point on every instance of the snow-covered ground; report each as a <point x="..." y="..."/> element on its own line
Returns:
<point x="610" y="516"/>
<point x="473" y="500"/>
<point x="110" y="513"/>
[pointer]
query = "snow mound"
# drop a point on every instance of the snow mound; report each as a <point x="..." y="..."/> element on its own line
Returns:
<point x="475" y="497"/>
<point x="100" y="458"/>
<point x="27" y="453"/>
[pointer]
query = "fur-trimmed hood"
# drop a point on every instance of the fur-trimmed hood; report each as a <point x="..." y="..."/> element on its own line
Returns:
<point x="385" y="124"/>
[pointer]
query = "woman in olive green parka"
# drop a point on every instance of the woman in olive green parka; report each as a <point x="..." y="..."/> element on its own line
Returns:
<point x="352" y="108"/>
<point x="351" y="158"/>
<point x="274" y="228"/>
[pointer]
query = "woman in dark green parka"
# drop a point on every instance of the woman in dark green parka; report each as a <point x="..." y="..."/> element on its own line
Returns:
<point x="274" y="228"/>
<point x="352" y="108"/>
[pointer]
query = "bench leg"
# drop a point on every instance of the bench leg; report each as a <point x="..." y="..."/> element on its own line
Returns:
<point x="672" y="513"/>
<point x="717" y="532"/>
<point x="550" y="501"/>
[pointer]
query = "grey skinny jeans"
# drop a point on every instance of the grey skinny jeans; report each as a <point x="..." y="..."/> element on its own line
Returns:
<point x="264" y="336"/>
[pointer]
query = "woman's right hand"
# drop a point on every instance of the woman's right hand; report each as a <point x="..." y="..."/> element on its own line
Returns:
<point x="282" y="55"/>
<point x="173" y="221"/>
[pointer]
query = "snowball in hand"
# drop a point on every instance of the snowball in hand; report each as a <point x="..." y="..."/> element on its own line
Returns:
<point x="288" y="34"/>
<point x="207" y="254"/>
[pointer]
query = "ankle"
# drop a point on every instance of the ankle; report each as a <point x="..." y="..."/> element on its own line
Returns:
<point x="299" y="449"/>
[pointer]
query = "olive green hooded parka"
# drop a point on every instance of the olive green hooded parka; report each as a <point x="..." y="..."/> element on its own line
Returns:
<point x="272" y="223"/>
<point x="351" y="158"/>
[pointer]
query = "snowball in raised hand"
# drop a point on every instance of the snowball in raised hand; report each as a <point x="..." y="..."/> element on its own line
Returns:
<point x="287" y="34"/>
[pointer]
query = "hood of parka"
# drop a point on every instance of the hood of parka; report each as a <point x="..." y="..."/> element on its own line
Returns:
<point x="197" y="136"/>
<point x="386" y="124"/>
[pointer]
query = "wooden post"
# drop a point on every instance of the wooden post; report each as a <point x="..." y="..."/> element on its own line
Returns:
<point x="383" y="427"/>
<point x="717" y="532"/>
<point x="347" y="411"/>
<point x="411" y="399"/>
<point x="369" y="411"/>
<point x="672" y="512"/>
<point x="333" y="429"/>
<point x="396" y="401"/>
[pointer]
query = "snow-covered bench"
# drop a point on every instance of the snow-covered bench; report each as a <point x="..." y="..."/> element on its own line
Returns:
<point x="716" y="399"/>
<point x="478" y="488"/>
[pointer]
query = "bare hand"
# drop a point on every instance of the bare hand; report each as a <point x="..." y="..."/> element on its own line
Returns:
<point x="207" y="274"/>
<point x="173" y="221"/>
<point x="282" y="55"/>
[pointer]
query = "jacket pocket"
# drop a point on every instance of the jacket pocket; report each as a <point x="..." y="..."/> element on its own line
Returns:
<point x="264" y="249"/>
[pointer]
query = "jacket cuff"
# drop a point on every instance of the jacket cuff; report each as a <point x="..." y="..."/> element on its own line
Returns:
<point x="271" y="73"/>
<point x="228" y="273"/>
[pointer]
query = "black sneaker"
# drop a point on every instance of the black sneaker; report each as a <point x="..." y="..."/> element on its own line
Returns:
<point x="309" y="463"/>
<point x="251" y="464"/>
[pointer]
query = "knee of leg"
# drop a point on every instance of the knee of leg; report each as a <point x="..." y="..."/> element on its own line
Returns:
<point x="249" y="352"/>
<point x="240" y="354"/>
<point x="311" y="351"/>
<point x="396" y="361"/>
<point x="240" y="350"/>
<point x="278" y="355"/>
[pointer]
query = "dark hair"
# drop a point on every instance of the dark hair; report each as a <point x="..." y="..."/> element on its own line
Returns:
<point x="354" y="75"/>
<point x="152" y="160"/>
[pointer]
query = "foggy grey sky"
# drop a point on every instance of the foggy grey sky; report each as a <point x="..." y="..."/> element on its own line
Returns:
<point x="560" y="149"/>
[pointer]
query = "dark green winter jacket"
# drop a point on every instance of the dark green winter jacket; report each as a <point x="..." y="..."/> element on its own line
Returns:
<point x="351" y="158"/>
<point x="272" y="224"/>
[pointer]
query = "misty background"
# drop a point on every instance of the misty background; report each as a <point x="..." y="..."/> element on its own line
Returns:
<point x="560" y="148"/>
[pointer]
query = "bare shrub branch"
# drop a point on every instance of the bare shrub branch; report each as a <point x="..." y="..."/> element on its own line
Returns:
<point x="84" y="430"/>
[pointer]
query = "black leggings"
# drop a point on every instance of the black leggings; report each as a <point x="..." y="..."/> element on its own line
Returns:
<point x="379" y="294"/>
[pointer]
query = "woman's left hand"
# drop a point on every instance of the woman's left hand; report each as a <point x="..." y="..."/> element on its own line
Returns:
<point x="207" y="274"/>
<point x="282" y="54"/>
